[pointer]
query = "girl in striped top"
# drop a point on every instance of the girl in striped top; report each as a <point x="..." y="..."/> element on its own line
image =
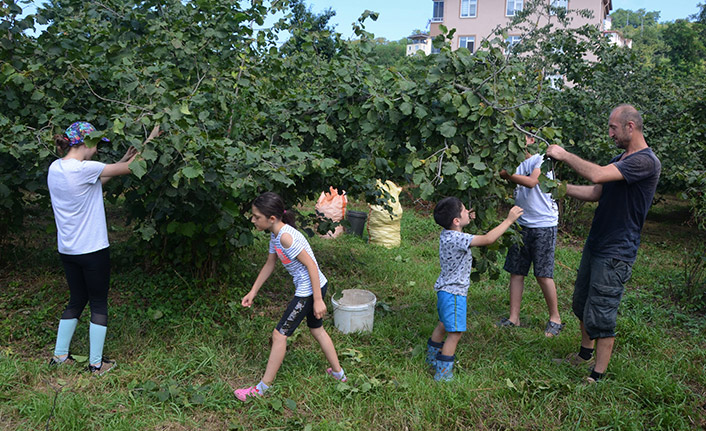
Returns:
<point x="294" y="251"/>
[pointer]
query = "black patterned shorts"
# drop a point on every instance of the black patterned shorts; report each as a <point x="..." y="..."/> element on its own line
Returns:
<point x="538" y="250"/>
<point x="297" y="309"/>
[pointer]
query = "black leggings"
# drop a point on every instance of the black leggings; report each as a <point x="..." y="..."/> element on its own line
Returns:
<point x="88" y="276"/>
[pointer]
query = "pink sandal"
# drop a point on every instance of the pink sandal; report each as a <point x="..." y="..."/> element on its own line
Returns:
<point x="243" y="394"/>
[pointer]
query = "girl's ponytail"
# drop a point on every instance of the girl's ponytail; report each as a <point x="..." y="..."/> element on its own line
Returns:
<point x="62" y="143"/>
<point x="271" y="204"/>
<point x="289" y="218"/>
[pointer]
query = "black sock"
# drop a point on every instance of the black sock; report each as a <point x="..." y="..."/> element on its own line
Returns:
<point x="585" y="353"/>
<point x="444" y="358"/>
<point x="435" y="344"/>
<point x="596" y="375"/>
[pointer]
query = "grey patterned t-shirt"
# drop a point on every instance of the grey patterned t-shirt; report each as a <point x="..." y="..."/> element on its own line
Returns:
<point x="455" y="258"/>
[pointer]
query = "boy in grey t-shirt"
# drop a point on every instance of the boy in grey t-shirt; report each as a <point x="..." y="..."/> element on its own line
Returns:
<point x="452" y="285"/>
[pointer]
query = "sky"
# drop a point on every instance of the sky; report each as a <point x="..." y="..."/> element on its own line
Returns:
<point x="398" y="18"/>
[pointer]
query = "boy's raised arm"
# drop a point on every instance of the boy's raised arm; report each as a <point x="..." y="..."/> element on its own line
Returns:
<point x="496" y="232"/>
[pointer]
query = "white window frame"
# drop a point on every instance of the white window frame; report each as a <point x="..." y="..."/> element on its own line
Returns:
<point x="512" y="41"/>
<point x="434" y="18"/>
<point x="471" y="5"/>
<point x="517" y="6"/>
<point x="559" y="4"/>
<point x="556" y="81"/>
<point x="472" y="40"/>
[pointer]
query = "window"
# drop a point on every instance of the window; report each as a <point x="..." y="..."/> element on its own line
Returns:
<point x="556" y="81"/>
<point x="513" y="6"/>
<point x="559" y="4"/>
<point x="435" y="50"/>
<point x="467" y="42"/>
<point x="468" y="8"/>
<point x="438" y="13"/>
<point x="512" y="41"/>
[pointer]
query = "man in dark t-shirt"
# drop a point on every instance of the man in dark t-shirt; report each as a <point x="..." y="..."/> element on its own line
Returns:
<point x="624" y="190"/>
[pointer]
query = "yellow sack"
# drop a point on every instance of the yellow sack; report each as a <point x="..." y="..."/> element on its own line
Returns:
<point x="332" y="206"/>
<point x="383" y="227"/>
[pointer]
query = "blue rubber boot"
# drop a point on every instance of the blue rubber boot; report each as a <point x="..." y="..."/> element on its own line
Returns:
<point x="433" y="349"/>
<point x="444" y="368"/>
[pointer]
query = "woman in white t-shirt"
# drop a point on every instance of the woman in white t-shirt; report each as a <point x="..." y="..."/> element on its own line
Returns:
<point x="75" y="186"/>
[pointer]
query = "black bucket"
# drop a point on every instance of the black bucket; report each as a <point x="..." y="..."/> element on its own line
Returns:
<point x="357" y="221"/>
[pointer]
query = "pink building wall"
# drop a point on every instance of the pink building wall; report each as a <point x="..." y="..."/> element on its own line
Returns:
<point x="490" y="13"/>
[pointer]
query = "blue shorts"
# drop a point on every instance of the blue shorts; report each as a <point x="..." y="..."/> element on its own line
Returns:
<point x="452" y="311"/>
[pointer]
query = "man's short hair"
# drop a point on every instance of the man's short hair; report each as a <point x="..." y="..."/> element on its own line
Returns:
<point x="626" y="113"/>
<point x="446" y="210"/>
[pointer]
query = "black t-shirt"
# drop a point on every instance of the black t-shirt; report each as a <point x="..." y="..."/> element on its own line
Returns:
<point x="623" y="206"/>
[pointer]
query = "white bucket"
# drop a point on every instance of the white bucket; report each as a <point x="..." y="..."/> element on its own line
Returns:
<point x="354" y="311"/>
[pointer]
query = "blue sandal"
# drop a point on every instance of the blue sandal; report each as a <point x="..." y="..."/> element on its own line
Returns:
<point x="553" y="329"/>
<point x="505" y="323"/>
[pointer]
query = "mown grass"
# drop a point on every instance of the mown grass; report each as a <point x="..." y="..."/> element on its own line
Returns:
<point x="183" y="345"/>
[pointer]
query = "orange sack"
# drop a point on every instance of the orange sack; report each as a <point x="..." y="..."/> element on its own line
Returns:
<point x="333" y="206"/>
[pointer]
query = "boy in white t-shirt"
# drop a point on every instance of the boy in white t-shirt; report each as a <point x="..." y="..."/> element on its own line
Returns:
<point x="539" y="229"/>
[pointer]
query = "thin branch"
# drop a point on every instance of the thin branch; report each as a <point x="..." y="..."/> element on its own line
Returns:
<point x="108" y="9"/>
<point x="105" y="99"/>
<point x="199" y="83"/>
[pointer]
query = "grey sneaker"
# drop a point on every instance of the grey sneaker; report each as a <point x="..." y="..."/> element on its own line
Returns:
<point x="68" y="360"/>
<point x="106" y="365"/>
<point x="575" y="360"/>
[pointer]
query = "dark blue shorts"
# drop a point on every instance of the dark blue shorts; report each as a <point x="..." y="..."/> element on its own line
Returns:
<point x="537" y="249"/>
<point x="297" y="309"/>
<point x="597" y="293"/>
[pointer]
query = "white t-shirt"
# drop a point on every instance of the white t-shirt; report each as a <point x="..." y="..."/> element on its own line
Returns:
<point x="288" y="256"/>
<point x="540" y="210"/>
<point x="77" y="199"/>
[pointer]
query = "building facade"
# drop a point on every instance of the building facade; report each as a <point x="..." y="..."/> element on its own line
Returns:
<point x="475" y="20"/>
<point x="418" y="42"/>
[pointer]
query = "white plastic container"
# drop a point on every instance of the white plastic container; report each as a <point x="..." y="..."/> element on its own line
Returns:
<point x="354" y="311"/>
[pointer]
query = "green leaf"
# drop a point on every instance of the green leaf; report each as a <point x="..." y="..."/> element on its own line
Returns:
<point x="197" y="398"/>
<point x="448" y="129"/>
<point x="149" y="154"/>
<point x="163" y="395"/>
<point x="406" y="108"/>
<point x="138" y="168"/>
<point x="420" y="112"/>
<point x="118" y="127"/>
<point x="184" y="109"/>
<point x="192" y="171"/>
<point x="290" y="404"/>
<point x="509" y="384"/>
<point x="449" y="168"/>
<point x="427" y="190"/>
<point x="156" y="315"/>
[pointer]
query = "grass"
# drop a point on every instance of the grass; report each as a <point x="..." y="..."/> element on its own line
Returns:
<point x="183" y="345"/>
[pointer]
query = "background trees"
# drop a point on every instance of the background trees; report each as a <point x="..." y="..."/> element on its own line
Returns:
<point x="240" y="114"/>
